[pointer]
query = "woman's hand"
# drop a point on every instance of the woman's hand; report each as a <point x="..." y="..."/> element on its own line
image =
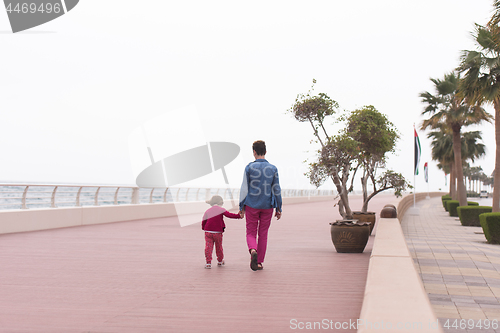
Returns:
<point x="278" y="214"/>
<point x="242" y="213"/>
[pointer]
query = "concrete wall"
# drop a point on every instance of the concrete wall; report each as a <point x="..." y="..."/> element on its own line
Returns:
<point x="395" y="298"/>
<point x="405" y="203"/>
<point x="23" y="220"/>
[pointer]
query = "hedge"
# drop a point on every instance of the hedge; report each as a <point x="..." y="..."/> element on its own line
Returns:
<point x="491" y="227"/>
<point x="445" y="198"/>
<point x="452" y="206"/>
<point x="469" y="216"/>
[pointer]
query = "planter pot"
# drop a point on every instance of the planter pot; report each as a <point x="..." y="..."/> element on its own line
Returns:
<point x="350" y="236"/>
<point x="365" y="217"/>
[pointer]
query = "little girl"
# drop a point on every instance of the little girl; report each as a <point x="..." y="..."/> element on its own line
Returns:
<point x="213" y="225"/>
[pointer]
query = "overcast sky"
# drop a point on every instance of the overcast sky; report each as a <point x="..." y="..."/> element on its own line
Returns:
<point x="74" y="90"/>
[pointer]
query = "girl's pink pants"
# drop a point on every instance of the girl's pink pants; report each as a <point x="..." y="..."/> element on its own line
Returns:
<point x="211" y="239"/>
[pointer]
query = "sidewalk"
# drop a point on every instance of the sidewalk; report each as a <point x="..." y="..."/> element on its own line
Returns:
<point x="459" y="270"/>
<point x="148" y="276"/>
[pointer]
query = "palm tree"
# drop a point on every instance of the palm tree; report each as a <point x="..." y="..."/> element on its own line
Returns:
<point x="475" y="176"/>
<point x="446" y="108"/>
<point x="482" y="178"/>
<point x="472" y="150"/>
<point x="467" y="174"/>
<point x="481" y="83"/>
<point x="442" y="151"/>
<point x="488" y="182"/>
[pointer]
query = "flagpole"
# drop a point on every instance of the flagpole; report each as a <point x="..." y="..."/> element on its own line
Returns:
<point x="414" y="182"/>
<point x="414" y="190"/>
<point x="426" y="175"/>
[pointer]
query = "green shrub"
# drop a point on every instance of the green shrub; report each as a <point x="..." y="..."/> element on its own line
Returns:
<point x="451" y="206"/>
<point x="472" y="194"/>
<point x="469" y="216"/>
<point x="445" y="198"/>
<point x="446" y="204"/>
<point x="491" y="227"/>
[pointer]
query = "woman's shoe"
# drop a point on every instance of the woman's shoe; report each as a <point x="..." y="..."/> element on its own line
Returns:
<point x="260" y="267"/>
<point x="253" y="262"/>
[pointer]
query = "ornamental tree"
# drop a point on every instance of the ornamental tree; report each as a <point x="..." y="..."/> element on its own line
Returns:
<point x="362" y="144"/>
<point x="376" y="136"/>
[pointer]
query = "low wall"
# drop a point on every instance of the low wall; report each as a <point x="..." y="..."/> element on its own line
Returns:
<point x="406" y="202"/>
<point x="22" y="220"/>
<point x="395" y="298"/>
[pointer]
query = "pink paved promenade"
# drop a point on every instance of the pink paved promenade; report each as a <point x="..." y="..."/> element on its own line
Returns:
<point x="148" y="276"/>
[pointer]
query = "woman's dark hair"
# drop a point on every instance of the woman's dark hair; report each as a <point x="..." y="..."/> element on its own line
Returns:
<point x="260" y="147"/>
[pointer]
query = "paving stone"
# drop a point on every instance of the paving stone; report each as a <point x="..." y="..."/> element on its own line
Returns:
<point x="466" y="305"/>
<point x="426" y="262"/>
<point x="486" y="300"/>
<point x="490" y="306"/>
<point x="484" y="265"/>
<point x="440" y="251"/>
<point x="477" y="284"/>
<point x="438" y="297"/>
<point x="447" y="277"/>
<point x="474" y="278"/>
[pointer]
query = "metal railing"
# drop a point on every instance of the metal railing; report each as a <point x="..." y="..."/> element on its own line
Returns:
<point x="24" y="196"/>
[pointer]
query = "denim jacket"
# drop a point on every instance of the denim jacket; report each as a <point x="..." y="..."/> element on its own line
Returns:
<point x="261" y="187"/>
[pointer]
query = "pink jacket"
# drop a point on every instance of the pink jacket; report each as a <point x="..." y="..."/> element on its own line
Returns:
<point x="213" y="219"/>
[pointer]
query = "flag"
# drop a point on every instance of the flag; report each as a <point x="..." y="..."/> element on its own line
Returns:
<point x="426" y="173"/>
<point x="417" y="151"/>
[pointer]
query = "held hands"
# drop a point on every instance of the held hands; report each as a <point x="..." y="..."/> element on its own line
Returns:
<point x="242" y="214"/>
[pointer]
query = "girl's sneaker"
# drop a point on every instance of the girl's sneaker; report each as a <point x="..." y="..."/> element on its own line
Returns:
<point x="220" y="263"/>
<point x="208" y="265"/>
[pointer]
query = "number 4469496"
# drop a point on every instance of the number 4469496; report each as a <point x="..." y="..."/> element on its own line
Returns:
<point x="471" y="324"/>
<point x="34" y="8"/>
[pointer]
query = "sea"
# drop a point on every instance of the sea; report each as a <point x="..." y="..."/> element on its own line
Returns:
<point x="39" y="195"/>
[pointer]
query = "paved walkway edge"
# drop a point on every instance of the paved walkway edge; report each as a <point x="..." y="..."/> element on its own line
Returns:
<point x="395" y="298"/>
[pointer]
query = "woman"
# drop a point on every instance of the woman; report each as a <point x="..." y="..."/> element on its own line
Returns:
<point x="260" y="193"/>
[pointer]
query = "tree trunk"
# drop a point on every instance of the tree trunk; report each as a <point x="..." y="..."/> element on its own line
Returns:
<point x="453" y="179"/>
<point x="344" y="209"/>
<point x="364" y="186"/>
<point x="496" y="181"/>
<point x="345" y="197"/>
<point x="345" y="201"/>
<point x="341" y="209"/>
<point x="457" y="151"/>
